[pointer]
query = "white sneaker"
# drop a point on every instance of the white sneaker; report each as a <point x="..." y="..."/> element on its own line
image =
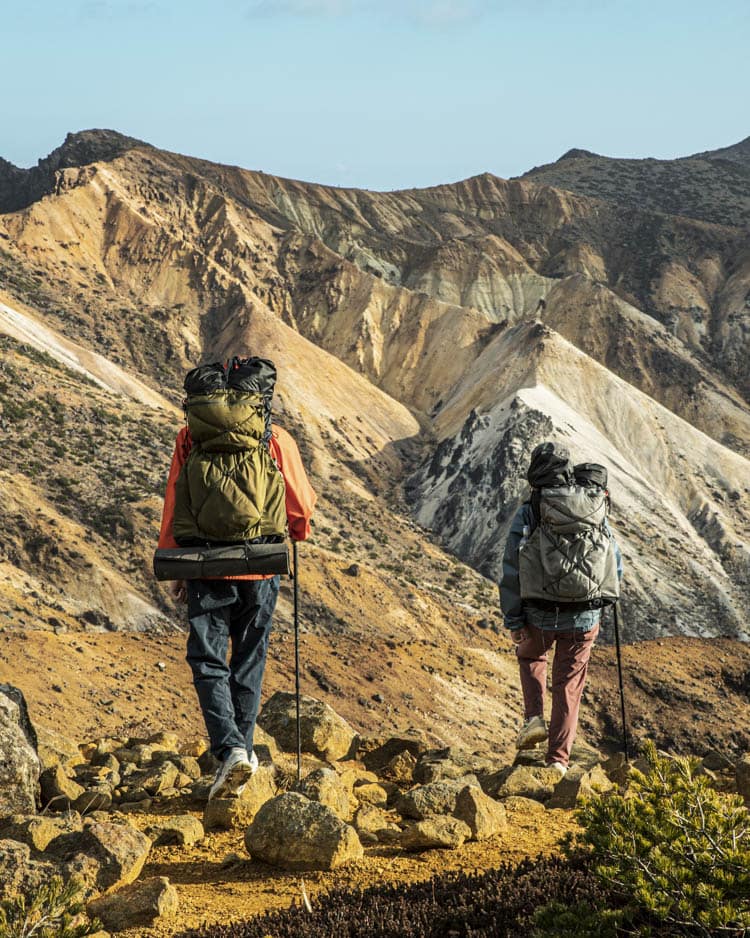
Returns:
<point x="533" y="731"/>
<point x="558" y="767"/>
<point x="234" y="772"/>
<point x="253" y="766"/>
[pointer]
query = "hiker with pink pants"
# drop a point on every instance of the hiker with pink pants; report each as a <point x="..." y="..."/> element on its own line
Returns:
<point x="561" y="568"/>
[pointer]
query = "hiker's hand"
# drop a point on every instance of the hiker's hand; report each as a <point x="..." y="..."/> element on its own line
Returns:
<point x="518" y="635"/>
<point x="179" y="590"/>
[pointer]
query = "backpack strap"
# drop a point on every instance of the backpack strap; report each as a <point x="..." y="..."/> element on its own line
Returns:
<point x="536" y="507"/>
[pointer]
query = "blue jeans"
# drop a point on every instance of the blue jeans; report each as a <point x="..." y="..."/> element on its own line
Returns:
<point x="229" y="694"/>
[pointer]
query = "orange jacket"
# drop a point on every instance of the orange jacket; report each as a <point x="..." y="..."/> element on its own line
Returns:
<point x="300" y="496"/>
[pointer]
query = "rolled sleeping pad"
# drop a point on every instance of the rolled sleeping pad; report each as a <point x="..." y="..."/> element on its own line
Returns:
<point x="204" y="563"/>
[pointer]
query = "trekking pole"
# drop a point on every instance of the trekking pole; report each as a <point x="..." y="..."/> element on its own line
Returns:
<point x="622" y="688"/>
<point x="296" y="658"/>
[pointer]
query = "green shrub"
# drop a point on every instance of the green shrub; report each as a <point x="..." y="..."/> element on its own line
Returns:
<point x="674" y="853"/>
<point x="53" y="912"/>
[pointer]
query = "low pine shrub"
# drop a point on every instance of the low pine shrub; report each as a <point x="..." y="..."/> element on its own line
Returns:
<point x="673" y="853"/>
<point x="54" y="911"/>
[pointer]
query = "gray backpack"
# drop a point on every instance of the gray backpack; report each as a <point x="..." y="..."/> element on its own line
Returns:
<point x="569" y="556"/>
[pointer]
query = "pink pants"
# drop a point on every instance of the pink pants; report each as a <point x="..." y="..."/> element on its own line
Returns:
<point x="568" y="679"/>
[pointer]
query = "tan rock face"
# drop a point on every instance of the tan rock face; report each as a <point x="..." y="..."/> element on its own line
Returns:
<point x="528" y="782"/>
<point x="324" y="732"/>
<point x="182" y="829"/>
<point x="19" y="765"/>
<point x="579" y="783"/>
<point x="370" y="793"/>
<point x="434" y="798"/>
<point x="441" y="831"/>
<point x="58" y="791"/>
<point x="19" y="871"/>
<point x="228" y="813"/>
<point x="38" y="831"/>
<point x="140" y="904"/>
<point x="104" y="855"/>
<point x="294" y="833"/>
<point x="325" y="786"/>
<point x="484" y="816"/>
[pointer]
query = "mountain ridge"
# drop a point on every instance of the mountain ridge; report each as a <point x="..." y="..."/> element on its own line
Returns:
<point x="156" y="260"/>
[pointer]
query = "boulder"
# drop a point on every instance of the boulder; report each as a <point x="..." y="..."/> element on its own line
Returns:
<point x="95" y="798"/>
<point x="228" y="813"/>
<point x="448" y="763"/>
<point x="517" y="804"/>
<point x="381" y="751"/>
<point x="18" y="872"/>
<point x="294" y="833"/>
<point x="352" y="775"/>
<point x="529" y="782"/>
<point x="38" y="831"/>
<point x="104" y="855"/>
<point x="24" y="720"/>
<point x="742" y="776"/>
<point x="325" y="786"/>
<point x="165" y="740"/>
<point x="264" y="745"/>
<point x="484" y="816"/>
<point x="188" y="765"/>
<point x="369" y="793"/>
<point x="155" y="781"/>
<point x="58" y="791"/>
<point x="434" y="798"/>
<point x="400" y="769"/>
<point x="181" y="829"/>
<point x="447" y="832"/>
<point x="19" y="763"/>
<point x="579" y="783"/>
<point x="376" y="822"/>
<point x="194" y="748"/>
<point x="324" y="732"/>
<point x="137" y="905"/>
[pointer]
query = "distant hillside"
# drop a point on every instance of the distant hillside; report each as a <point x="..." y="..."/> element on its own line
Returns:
<point x="711" y="186"/>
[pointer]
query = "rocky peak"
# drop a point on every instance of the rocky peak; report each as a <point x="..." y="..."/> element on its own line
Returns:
<point x="577" y="154"/>
<point x="20" y="187"/>
<point x="88" y="146"/>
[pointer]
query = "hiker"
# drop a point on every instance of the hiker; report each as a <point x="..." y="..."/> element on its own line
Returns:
<point x="235" y="477"/>
<point x="561" y="567"/>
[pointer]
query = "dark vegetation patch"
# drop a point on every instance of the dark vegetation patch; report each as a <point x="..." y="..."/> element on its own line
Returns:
<point x="498" y="903"/>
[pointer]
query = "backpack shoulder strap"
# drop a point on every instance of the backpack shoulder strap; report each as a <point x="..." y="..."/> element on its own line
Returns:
<point x="536" y="507"/>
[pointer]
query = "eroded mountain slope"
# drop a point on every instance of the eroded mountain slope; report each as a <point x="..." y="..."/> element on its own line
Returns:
<point x="402" y="326"/>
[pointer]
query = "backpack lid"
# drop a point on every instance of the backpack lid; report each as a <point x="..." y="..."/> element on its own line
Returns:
<point x="257" y="375"/>
<point x="549" y="466"/>
<point x="205" y="378"/>
<point x="591" y="473"/>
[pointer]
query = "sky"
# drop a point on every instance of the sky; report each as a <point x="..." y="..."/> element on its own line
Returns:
<point x="378" y="94"/>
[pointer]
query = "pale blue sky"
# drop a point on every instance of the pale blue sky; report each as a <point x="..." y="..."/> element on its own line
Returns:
<point x="378" y="94"/>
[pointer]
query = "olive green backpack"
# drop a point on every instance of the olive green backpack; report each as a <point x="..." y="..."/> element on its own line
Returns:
<point x="230" y="489"/>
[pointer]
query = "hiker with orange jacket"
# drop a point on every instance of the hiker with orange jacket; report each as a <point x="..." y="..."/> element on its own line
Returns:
<point x="235" y="477"/>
